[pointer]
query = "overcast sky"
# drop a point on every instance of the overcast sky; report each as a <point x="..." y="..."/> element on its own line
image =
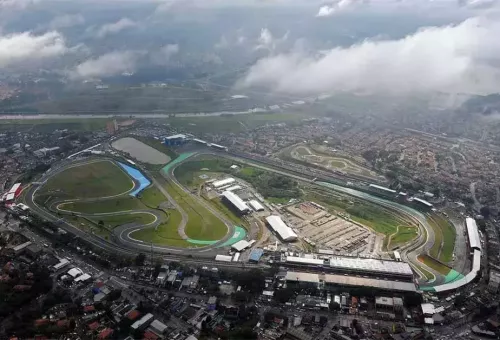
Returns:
<point x="292" y="46"/>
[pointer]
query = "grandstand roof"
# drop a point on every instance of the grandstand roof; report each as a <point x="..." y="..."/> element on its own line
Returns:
<point x="473" y="233"/>
<point x="222" y="182"/>
<point x="360" y="264"/>
<point x="236" y="201"/>
<point x="14" y="188"/>
<point x="353" y="281"/>
<point x="367" y="282"/>
<point x="302" y="277"/>
<point x="382" y="188"/>
<point x="285" y="232"/>
<point x="424" y="202"/>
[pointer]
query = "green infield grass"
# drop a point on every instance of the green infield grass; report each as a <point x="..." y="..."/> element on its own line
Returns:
<point x="403" y="235"/>
<point x="124" y="203"/>
<point x="201" y="224"/>
<point x="91" y="180"/>
<point x="165" y="234"/>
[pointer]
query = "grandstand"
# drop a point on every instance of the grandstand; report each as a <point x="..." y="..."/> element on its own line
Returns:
<point x="473" y="233"/>
<point x="356" y="265"/>
<point x="381" y="189"/>
<point x="331" y="282"/>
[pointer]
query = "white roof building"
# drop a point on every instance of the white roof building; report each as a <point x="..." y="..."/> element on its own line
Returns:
<point x="236" y="201"/>
<point x="63" y="263"/>
<point x="382" y="188"/>
<point x="428" y="308"/>
<point x="472" y="231"/>
<point x="158" y="327"/>
<point x="223" y="258"/>
<point x="14" y="188"/>
<point x="74" y="272"/>
<point x="222" y="182"/>
<point x="285" y="232"/>
<point x="83" y="278"/>
<point x="256" y="205"/>
<point x="240" y="245"/>
<point x="234" y="187"/>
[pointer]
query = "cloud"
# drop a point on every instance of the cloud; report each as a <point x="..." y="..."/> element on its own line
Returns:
<point x="266" y="40"/>
<point x="25" y="47"/>
<point x="163" y="56"/>
<point x="463" y="58"/>
<point x="109" y="64"/>
<point x="67" y="20"/>
<point x="478" y="4"/>
<point x="329" y="10"/>
<point x="115" y="27"/>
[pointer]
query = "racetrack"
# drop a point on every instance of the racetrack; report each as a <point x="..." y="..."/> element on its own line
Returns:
<point x="124" y="242"/>
<point x="122" y="234"/>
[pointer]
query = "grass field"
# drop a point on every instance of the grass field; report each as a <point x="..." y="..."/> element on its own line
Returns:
<point x="431" y="263"/>
<point x="92" y="180"/>
<point x="444" y="242"/>
<point x="165" y="234"/>
<point x="106" y="206"/>
<point x="115" y="221"/>
<point x="202" y="224"/>
<point x="152" y="197"/>
<point x="404" y="235"/>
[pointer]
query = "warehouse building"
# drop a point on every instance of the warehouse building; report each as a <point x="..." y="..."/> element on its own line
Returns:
<point x="279" y="227"/>
<point x="235" y="202"/>
<point x="256" y="205"/>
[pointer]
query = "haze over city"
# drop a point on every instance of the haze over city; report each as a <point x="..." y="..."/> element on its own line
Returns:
<point x="249" y="169"/>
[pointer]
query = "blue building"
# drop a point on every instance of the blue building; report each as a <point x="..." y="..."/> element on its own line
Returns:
<point x="255" y="255"/>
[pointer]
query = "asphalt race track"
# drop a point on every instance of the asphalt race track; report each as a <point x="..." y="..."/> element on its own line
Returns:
<point x="123" y="243"/>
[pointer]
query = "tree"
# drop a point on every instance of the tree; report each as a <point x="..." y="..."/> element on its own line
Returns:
<point x="101" y="224"/>
<point x="334" y="306"/>
<point x="284" y="295"/>
<point x="485" y="211"/>
<point x="139" y="259"/>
